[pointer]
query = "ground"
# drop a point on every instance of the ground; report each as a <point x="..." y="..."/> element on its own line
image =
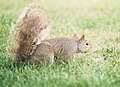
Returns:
<point x="98" y="20"/>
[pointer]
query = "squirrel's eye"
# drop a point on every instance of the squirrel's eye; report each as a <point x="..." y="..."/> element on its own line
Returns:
<point x="86" y="43"/>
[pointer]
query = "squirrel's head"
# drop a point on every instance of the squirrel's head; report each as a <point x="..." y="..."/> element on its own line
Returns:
<point x="83" y="45"/>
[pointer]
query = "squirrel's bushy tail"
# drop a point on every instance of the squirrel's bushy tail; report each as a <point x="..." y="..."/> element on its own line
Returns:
<point x="30" y="28"/>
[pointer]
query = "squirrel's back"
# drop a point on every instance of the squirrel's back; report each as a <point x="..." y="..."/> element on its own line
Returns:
<point x="63" y="43"/>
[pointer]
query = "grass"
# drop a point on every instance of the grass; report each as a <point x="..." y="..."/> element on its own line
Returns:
<point x="99" y="20"/>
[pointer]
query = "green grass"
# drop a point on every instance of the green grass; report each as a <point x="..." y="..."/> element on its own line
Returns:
<point x="99" y="20"/>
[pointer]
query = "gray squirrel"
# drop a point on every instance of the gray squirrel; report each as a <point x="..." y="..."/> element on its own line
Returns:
<point x="30" y="32"/>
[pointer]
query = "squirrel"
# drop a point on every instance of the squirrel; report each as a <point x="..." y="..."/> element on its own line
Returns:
<point x="30" y="34"/>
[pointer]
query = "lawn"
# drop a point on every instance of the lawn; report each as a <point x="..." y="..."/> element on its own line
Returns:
<point x="98" y="20"/>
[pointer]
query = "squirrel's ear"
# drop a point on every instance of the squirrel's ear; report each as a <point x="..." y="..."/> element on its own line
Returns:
<point x="75" y="36"/>
<point x="82" y="38"/>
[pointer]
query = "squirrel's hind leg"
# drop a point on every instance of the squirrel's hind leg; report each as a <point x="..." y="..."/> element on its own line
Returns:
<point x="43" y="55"/>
